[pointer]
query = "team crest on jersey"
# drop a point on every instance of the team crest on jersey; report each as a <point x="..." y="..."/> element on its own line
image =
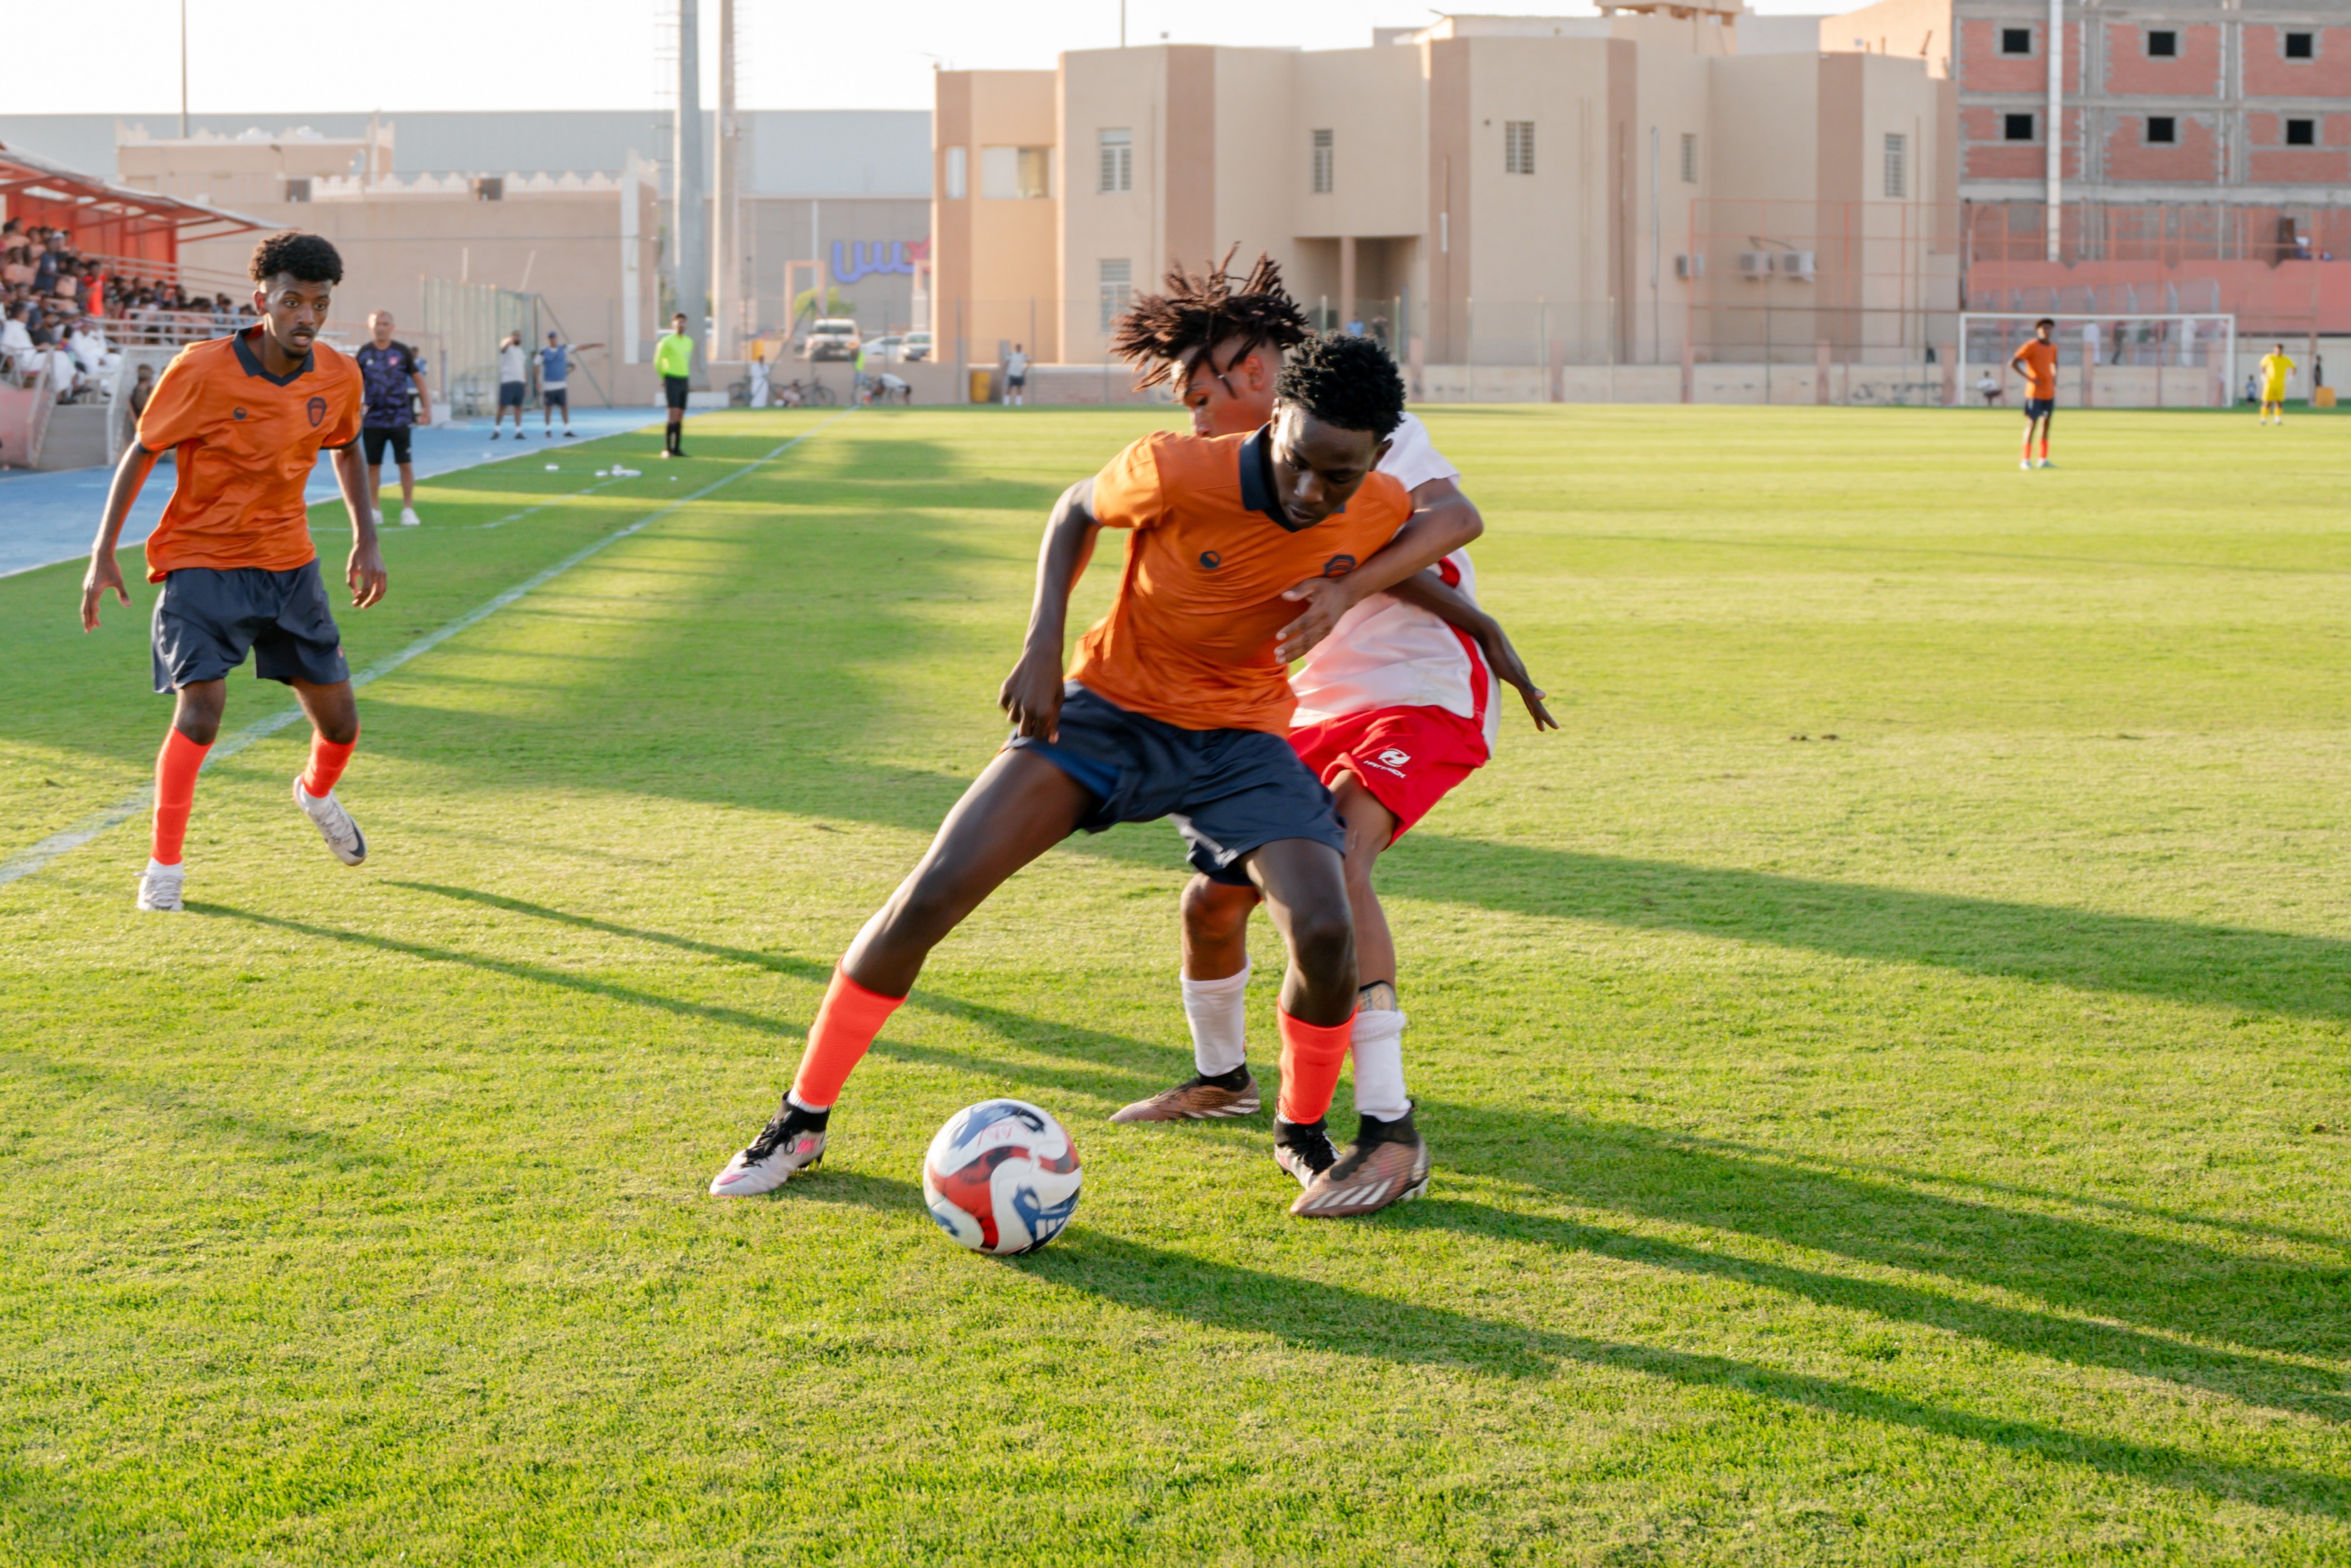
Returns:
<point x="1338" y="566"/>
<point x="317" y="410"/>
<point x="238" y="414"/>
<point x="1210" y="561"/>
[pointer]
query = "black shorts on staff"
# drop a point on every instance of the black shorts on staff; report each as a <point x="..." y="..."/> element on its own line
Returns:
<point x="373" y="439"/>
<point x="674" y="389"/>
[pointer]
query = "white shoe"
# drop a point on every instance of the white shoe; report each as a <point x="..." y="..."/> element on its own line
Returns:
<point x="2046" y="463"/>
<point x="408" y="519"/>
<point x="2026" y="464"/>
<point x="793" y="1142"/>
<point x="160" y="887"/>
<point x="334" y="823"/>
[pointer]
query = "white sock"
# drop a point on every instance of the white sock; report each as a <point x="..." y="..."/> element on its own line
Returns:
<point x="154" y="866"/>
<point x="1379" y="1065"/>
<point x="1218" y="1011"/>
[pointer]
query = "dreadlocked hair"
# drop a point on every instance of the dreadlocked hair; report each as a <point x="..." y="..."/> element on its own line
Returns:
<point x="1347" y="380"/>
<point x="1159" y="332"/>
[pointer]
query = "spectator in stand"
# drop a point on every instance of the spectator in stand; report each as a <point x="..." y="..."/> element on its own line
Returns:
<point x="141" y="389"/>
<point x="18" y="357"/>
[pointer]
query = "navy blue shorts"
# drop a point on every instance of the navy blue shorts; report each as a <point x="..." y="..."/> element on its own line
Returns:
<point x="206" y="617"/>
<point x="2039" y="407"/>
<point x="555" y="397"/>
<point x="510" y="394"/>
<point x="1229" y="790"/>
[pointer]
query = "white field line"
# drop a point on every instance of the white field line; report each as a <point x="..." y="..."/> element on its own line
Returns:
<point x="122" y="811"/>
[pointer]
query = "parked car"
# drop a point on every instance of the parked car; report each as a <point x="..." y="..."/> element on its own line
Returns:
<point x="917" y="347"/>
<point x="884" y="349"/>
<point x="832" y="338"/>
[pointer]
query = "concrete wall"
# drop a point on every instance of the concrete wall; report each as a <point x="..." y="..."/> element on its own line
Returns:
<point x="998" y="272"/>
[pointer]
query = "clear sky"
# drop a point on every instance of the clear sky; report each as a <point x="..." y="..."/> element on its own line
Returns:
<point x="360" y="54"/>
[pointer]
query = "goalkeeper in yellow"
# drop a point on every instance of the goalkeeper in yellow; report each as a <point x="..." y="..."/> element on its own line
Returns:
<point x="2275" y="369"/>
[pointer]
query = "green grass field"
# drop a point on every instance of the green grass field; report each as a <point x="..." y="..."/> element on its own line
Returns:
<point x="1923" y="1145"/>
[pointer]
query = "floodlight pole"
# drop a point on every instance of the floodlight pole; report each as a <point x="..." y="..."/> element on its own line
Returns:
<point x="692" y="223"/>
<point x="184" y="70"/>
<point x="2054" y="224"/>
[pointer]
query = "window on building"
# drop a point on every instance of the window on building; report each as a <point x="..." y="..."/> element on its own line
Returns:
<point x="1897" y="173"/>
<point x="2301" y="45"/>
<point x="1323" y="170"/>
<point x="2016" y="40"/>
<point x="1016" y="173"/>
<point x="1117" y="161"/>
<point x="298" y="190"/>
<point x="1689" y="158"/>
<point x="1117" y="290"/>
<point x="2162" y="43"/>
<point x="2302" y="133"/>
<point x="2162" y="128"/>
<point x="1518" y="147"/>
<point x="956" y="178"/>
<point x="2019" y="127"/>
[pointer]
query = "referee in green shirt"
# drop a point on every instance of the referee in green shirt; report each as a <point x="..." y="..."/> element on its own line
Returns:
<point x="673" y="358"/>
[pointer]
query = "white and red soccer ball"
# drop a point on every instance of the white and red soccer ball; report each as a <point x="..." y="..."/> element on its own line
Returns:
<point x="1001" y="1177"/>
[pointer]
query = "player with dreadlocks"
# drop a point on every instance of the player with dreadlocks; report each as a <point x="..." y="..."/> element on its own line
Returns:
<point x="1395" y="707"/>
<point x="1243" y="550"/>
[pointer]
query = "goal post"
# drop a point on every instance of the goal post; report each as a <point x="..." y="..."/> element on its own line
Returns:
<point x="2198" y="348"/>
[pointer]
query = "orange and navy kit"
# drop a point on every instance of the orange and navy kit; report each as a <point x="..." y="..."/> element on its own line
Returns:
<point x="2040" y="362"/>
<point x="1190" y="639"/>
<point x="244" y="443"/>
<point x="233" y="550"/>
<point x="1176" y="705"/>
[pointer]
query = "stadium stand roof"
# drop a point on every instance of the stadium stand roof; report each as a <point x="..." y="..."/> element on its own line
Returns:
<point x="102" y="216"/>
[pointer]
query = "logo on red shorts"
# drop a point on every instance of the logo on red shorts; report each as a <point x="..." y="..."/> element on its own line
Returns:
<point x="1392" y="758"/>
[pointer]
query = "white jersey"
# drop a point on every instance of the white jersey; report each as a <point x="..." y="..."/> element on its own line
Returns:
<point x="1388" y="654"/>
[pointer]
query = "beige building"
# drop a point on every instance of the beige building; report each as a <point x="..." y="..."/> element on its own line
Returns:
<point x="1525" y="206"/>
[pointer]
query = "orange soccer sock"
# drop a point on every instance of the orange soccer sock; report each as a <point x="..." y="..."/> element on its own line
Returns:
<point x="176" y="767"/>
<point x="2044" y="449"/>
<point x="1312" y="1055"/>
<point x="845" y="1025"/>
<point x="328" y="761"/>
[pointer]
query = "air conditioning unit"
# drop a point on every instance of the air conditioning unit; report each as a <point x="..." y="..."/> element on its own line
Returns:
<point x="1798" y="264"/>
<point x="1754" y="264"/>
<point x="1687" y="267"/>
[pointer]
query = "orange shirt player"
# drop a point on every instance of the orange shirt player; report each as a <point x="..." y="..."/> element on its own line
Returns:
<point x="2037" y="363"/>
<point x="245" y="417"/>
<point x="1178" y="705"/>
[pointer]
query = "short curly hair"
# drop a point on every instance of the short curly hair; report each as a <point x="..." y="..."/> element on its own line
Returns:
<point x="1201" y="310"/>
<point x="1347" y="380"/>
<point x="309" y="258"/>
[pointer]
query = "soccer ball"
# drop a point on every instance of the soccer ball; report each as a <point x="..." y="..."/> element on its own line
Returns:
<point x="1001" y="1177"/>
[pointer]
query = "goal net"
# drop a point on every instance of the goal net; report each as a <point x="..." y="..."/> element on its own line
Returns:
<point x="2179" y="360"/>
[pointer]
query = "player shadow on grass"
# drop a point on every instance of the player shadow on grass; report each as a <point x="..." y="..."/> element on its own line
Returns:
<point x="2171" y="1289"/>
<point x="1339" y="1320"/>
<point x="2085" y="950"/>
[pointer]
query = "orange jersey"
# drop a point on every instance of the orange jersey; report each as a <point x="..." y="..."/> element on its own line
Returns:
<point x="2040" y="362"/>
<point x="246" y="443"/>
<point x="1189" y="641"/>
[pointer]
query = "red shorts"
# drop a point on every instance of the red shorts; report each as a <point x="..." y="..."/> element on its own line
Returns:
<point x="1407" y="757"/>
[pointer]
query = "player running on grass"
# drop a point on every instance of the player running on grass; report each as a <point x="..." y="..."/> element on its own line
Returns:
<point x="246" y="416"/>
<point x="2037" y="363"/>
<point x="1396" y="708"/>
<point x="1175" y="707"/>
